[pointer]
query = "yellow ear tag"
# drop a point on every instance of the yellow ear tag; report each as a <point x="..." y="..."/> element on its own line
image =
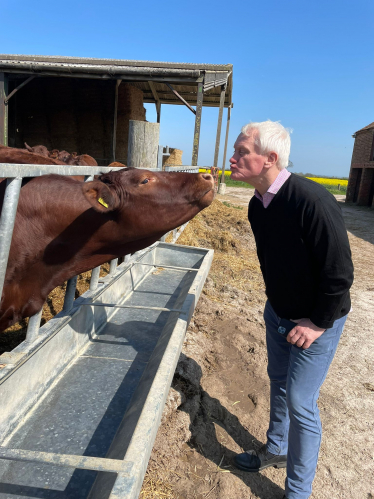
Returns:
<point x="101" y="201"/>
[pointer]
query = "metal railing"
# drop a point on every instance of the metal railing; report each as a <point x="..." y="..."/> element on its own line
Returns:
<point x="15" y="174"/>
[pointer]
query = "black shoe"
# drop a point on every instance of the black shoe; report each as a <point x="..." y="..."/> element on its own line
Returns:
<point x="254" y="461"/>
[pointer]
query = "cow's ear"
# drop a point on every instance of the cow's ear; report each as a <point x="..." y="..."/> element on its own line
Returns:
<point x="100" y="196"/>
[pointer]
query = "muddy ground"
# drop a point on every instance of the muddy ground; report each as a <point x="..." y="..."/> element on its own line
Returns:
<point x="218" y="404"/>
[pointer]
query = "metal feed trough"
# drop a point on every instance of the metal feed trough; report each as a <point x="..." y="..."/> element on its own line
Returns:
<point x="82" y="396"/>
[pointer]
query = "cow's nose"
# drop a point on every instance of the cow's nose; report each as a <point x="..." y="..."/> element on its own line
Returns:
<point x="207" y="176"/>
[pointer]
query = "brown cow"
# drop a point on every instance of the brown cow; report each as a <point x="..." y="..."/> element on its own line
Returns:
<point x="25" y="157"/>
<point x="42" y="150"/>
<point x="65" y="227"/>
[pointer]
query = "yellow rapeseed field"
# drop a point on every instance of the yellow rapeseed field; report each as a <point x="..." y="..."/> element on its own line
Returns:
<point x="329" y="181"/>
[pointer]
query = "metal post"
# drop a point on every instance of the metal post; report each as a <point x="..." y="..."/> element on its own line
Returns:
<point x="33" y="327"/>
<point x="70" y="293"/>
<point x="219" y="124"/>
<point x="3" y="110"/>
<point x="113" y="266"/>
<point x="114" y="138"/>
<point x="95" y="274"/>
<point x="222" y="186"/>
<point x="8" y="217"/>
<point x="196" y="137"/>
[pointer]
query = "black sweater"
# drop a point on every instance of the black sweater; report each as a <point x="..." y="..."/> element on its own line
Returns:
<point x="304" y="253"/>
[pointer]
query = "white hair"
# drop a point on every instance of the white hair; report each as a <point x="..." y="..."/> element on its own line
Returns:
<point x="271" y="136"/>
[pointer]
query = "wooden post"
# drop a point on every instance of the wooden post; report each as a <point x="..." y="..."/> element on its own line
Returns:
<point x="219" y="125"/>
<point x="222" y="185"/>
<point x="114" y="138"/>
<point x="158" y="110"/>
<point x="196" y="137"/>
<point x="3" y="110"/>
<point x="143" y="144"/>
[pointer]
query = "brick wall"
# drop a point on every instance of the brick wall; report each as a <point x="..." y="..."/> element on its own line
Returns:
<point x="365" y="187"/>
<point x="361" y="179"/>
<point x="362" y="146"/>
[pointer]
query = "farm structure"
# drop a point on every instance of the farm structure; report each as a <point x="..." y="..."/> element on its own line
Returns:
<point x="85" y="105"/>
<point x="361" y="177"/>
<point x="85" y="392"/>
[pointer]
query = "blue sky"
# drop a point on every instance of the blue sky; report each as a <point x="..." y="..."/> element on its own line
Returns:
<point x="308" y="64"/>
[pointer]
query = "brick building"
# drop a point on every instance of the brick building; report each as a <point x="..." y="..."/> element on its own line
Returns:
<point x="361" y="177"/>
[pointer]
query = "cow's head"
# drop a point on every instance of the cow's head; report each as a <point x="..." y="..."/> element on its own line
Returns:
<point x="147" y="201"/>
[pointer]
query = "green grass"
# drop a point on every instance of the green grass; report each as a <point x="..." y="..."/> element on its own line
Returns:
<point x="237" y="183"/>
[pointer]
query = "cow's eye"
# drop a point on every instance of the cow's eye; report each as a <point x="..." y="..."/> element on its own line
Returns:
<point x="145" y="181"/>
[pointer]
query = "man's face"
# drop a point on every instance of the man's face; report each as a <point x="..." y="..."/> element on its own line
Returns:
<point x="246" y="163"/>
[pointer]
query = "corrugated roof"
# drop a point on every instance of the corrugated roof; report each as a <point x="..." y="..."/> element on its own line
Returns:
<point x="183" y="76"/>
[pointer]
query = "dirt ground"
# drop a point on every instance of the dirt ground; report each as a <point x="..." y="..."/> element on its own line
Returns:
<point x="218" y="404"/>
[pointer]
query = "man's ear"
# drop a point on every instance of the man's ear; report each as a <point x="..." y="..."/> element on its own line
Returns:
<point x="272" y="158"/>
<point x="100" y="196"/>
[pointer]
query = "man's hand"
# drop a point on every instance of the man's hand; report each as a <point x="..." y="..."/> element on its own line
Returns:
<point x="304" y="333"/>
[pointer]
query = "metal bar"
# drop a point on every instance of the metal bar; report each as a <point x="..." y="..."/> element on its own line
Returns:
<point x="114" y="138"/>
<point x="180" y="98"/>
<point x="94" y="282"/>
<point x="34" y="326"/>
<point x="196" y="137"/>
<point x="225" y="149"/>
<point x="181" y="79"/>
<point x="112" y="305"/>
<point x="113" y="266"/>
<point x="3" y="110"/>
<point x="71" y="286"/>
<point x="68" y="460"/>
<point x="20" y="170"/>
<point x="219" y="125"/>
<point x="8" y="217"/>
<point x="165" y="266"/>
<point x="6" y="100"/>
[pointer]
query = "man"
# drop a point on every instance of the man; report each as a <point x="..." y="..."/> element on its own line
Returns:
<point x="305" y="259"/>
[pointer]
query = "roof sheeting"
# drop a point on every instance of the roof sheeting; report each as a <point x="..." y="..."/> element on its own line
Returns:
<point x="183" y="76"/>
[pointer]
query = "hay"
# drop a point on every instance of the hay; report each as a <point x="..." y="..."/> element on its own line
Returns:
<point x="130" y="107"/>
<point x="175" y="158"/>
<point x="226" y="230"/>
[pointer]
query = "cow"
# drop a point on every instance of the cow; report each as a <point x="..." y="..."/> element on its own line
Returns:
<point x="25" y="157"/>
<point x="65" y="227"/>
<point x="42" y="150"/>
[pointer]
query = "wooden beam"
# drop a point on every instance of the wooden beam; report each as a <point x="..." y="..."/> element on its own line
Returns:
<point x="196" y="138"/>
<point x="157" y="100"/>
<point x="219" y="125"/>
<point x="114" y="138"/>
<point x="3" y="109"/>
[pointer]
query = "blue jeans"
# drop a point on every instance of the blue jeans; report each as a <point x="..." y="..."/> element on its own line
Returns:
<point x="296" y="376"/>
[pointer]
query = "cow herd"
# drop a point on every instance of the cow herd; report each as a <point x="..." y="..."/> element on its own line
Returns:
<point x="65" y="226"/>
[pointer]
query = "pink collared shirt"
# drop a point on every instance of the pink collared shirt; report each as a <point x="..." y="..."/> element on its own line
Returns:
<point x="274" y="188"/>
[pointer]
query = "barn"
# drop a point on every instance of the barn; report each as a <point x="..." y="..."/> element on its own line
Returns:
<point x="361" y="177"/>
<point x="85" y="105"/>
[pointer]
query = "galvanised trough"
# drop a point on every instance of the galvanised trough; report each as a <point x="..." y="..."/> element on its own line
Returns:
<point x="81" y="405"/>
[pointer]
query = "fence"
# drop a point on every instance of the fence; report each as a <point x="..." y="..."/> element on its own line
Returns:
<point x="15" y="174"/>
